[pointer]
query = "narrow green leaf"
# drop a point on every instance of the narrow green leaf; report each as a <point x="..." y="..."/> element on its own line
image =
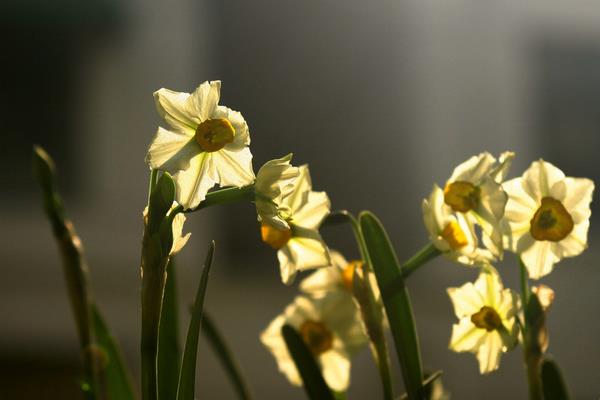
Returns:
<point x="315" y="386"/>
<point x="398" y="308"/>
<point x="114" y="376"/>
<point x="226" y="357"/>
<point x="553" y="384"/>
<point x="169" y="352"/>
<point x="187" y="378"/>
<point x="432" y="386"/>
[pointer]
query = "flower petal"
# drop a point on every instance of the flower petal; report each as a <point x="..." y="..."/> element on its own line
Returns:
<point x="314" y="210"/>
<point x="171" y="151"/>
<point x="466" y="300"/>
<point x="579" y="195"/>
<point x="474" y="169"/>
<point x="336" y="369"/>
<point x="194" y="182"/>
<point x="489" y="353"/>
<point x="539" y="179"/>
<point x="466" y="336"/>
<point x="233" y="168"/>
<point x="175" y="108"/>
<point x="302" y="187"/>
<point x="539" y="259"/>
<point x="204" y="100"/>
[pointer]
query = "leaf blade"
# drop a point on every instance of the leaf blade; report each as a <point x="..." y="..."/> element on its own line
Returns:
<point x="187" y="377"/>
<point x="226" y="357"/>
<point x="398" y="307"/>
<point x="315" y="386"/>
<point x="169" y="351"/>
<point x="553" y="383"/>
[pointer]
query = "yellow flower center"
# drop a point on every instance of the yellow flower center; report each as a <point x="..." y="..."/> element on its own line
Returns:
<point x="214" y="134"/>
<point x="275" y="237"/>
<point x="462" y="196"/>
<point x="487" y="318"/>
<point x="454" y="235"/>
<point x="551" y="221"/>
<point x="316" y="336"/>
<point x="348" y="274"/>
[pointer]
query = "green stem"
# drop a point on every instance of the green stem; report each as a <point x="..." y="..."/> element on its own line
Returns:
<point x="377" y="338"/>
<point x="226" y="196"/>
<point x="422" y="257"/>
<point x="152" y="182"/>
<point x="426" y="254"/>
<point x="532" y="361"/>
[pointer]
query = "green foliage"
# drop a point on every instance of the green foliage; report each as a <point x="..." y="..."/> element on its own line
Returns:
<point x="385" y="264"/>
<point x="169" y="352"/>
<point x="187" y="378"/>
<point x="553" y="383"/>
<point x="226" y="357"/>
<point x="315" y="386"/>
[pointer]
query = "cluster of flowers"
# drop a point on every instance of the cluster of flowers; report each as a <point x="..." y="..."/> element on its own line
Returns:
<point x="542" y="216"/>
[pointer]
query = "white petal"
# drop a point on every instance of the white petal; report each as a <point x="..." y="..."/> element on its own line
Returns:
<point x="316" y="208"/>
<point x="579" y="195"/>
<point x="274" y="341"/>
<point x="466" y="336"/>
<point x="539" y="259"/>
<point x="466" y="300"/>
<point x="274" y="179"/>
<point x="233" y="168"/>
<point x="302" y="187"/>
<point x="178" y="239"/>
<point x="575" y="243"/>
<point x="500" y="171"/>
<point x="539" y="178"/>
<point x="336" y="370"/>
<point x="176" y="109"/>
<point x="326" y="279"/>
<point x="194" y="182"/>
<point x="171" y="151"/>
<point x="489" y="353"/>
<point x="287" y="265"/>
<point x="474" y="169"/>
<point x="309" y="253"/>
<point x="488" y="284"/>
<point x="204" y="100"/>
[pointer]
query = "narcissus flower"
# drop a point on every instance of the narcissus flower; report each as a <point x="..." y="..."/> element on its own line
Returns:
<point x="331" y="329"/>
<point x="274" y="182"/>
<point x="486" y="314"/>
<point x="548" y="216"/>
<point x="207" y="143"/>
<point x="475" y="190"/>
<point x="452" y="233"/>
<point x="179" y="240"/>
<point x="335" y="278"/>
<point x="300" y="246"/>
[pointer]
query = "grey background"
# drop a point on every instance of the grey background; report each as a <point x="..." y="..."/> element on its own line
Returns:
<point x="381" y="98"/>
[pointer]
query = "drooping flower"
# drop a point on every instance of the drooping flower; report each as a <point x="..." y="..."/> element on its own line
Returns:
<point x="274" y="182"/>
<point x="452" y="233"/>
<point x="331" y="329"/>
<point x="179" y="240"/>
<point x="547" y="216"/>
<point x="300" y="245"/>
<point x="475" y="190"/>
<point x="486" y="314"/>
<point x="206" y="145"/>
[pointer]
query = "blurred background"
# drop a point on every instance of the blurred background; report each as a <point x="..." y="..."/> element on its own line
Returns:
<point x="381" y="98"/>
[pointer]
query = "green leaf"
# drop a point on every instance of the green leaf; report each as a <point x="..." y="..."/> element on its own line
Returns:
<point x="553" y="384"/>
<point x="114" y="375"/>
<point x="309" y="370"/>
<point x="169" y="352"/>
<point x="161" y="201"/>
<point x="385" y="264"/>
<point x="187" y="378"/>
<point x="226" y="357"/>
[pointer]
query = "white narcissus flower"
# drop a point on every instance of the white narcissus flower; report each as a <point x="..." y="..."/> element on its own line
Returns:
<point x="452" y="233"/>
<point x="335" y="278"/>
<point x="300" y="246"/>
<point x="475" y="190"/>
<point x="331" y="328"/>
<point x="179" y="240"/>
<point x="274" y="182"/>
<point x="207" y="143"/>
<point x="547" y="216"/>
<point x="486" y="314"/>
